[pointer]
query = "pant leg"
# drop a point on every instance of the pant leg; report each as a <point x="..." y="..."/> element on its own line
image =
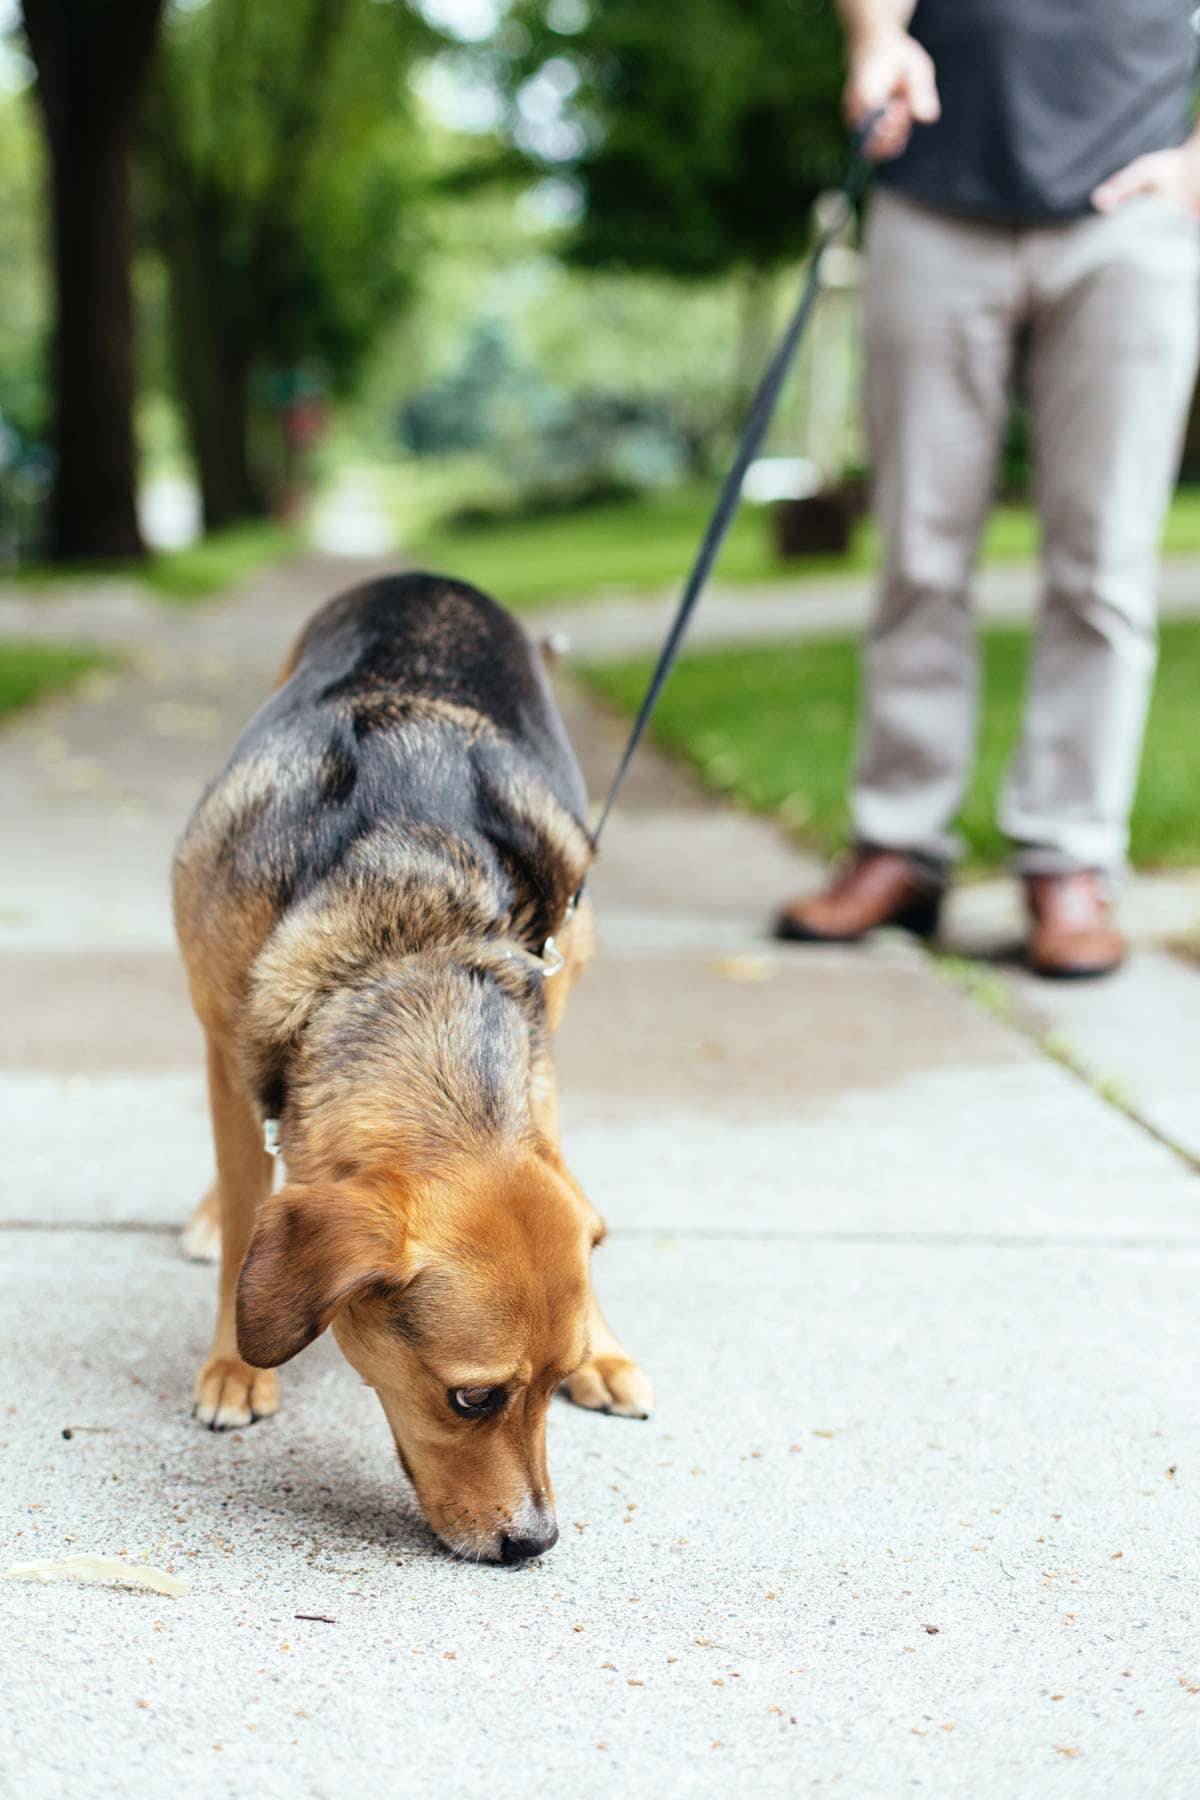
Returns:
<point x="941" y="303"/>
<point x="1113" y="345"/>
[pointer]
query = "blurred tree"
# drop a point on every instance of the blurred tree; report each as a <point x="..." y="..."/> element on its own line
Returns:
<point x="92" y="58"/>
<point x="23" y="287"/>
<point x="457" y="412"/>
<point x="282" y="159"/>
<point x="698" y="134"/>
<point x="695" y="136"/>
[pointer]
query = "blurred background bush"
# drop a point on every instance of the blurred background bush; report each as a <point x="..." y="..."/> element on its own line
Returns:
<point x="493" y="260"/>
<point x="528" y="253"/>
<point x="482" y="283"/>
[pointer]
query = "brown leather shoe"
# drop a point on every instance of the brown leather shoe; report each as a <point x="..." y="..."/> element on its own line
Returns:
<point x="1073" y="931"/>
<point x="876" y="887"/>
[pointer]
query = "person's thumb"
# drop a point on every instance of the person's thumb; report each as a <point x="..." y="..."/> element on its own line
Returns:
<point x="921" y="84"/>
<point x="1138" y="177"/>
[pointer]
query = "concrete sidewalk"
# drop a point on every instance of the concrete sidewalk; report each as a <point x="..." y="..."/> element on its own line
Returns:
<point x="610" y="625"/>
<point x="917" y="1512"/>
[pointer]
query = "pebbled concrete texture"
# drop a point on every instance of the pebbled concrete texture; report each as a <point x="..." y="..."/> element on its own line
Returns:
<point x="855" y="1446"/>
<point x="917" y="1512"/>
<point x="1136" y="1034"/>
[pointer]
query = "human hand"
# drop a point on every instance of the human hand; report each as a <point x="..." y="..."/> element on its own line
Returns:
<point x="888" y="69"/>
<point x="1172" y="174"/>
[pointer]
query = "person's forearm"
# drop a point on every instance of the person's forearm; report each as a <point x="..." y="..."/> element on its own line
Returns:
<point x="865" y="18"/>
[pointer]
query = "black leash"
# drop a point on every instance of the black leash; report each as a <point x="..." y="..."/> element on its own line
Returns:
<point x="753" y="433"/>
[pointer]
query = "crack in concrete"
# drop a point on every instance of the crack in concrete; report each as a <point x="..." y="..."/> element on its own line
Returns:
<point x="987" y="990"/>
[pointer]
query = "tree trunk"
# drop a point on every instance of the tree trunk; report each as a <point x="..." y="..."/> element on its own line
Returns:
<point x="90" y="63"/>
<point x="212" y="367"/>
<point x="94" y="501"/>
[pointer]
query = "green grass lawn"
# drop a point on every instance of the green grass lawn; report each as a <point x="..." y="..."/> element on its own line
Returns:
<point x="196" y="572"/>
<point x="216" y="562"/>
<point x="643" y="544"/>
<point x="30" y="670"/>
<point x="648" y="544"/>
<point x="775" y="728"/>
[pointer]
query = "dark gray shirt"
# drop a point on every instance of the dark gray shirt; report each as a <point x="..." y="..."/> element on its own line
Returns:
<point x="1042" y="99"/>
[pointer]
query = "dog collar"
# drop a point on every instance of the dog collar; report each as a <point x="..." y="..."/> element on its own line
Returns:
<point x="548" y="962"/>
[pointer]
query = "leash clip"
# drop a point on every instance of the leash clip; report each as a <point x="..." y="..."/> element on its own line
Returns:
<point x="551" y="959"/>
<point x="547" y="961"/>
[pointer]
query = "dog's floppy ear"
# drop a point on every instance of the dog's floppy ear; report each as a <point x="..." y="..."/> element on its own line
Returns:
<point x="313" y="1249"/>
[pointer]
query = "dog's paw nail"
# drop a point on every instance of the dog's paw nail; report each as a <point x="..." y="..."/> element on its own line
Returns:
<point x="612" y="1384"/>
<point x="230" y="1394"/>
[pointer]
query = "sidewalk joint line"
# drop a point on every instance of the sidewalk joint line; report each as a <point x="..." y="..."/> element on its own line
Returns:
<point x="946" y="1240"/>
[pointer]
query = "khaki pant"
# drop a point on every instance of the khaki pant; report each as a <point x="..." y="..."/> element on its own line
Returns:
<point x="1107" y="313"/>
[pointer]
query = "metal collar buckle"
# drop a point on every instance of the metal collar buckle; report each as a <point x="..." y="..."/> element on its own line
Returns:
<point x="548" y="961"/>
<point x="551" y="959"/>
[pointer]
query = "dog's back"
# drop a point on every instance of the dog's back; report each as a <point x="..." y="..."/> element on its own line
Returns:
<point x="415" y="727"/>
<point x="370" y="656"/>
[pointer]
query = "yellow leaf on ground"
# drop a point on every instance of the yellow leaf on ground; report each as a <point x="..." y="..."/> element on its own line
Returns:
<point x="98" y="1568"/>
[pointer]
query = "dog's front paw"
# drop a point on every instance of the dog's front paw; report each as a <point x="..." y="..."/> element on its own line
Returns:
<point x="611" y="1384"/>
<point x="229" y="1393"/>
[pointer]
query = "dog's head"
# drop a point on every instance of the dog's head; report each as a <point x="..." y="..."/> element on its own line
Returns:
<point x="463" y="1301"/>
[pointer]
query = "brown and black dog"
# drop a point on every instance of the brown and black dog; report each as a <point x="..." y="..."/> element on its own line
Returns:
<point x="363" y="898"/>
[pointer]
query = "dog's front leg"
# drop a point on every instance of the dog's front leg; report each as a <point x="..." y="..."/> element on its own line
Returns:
<point x="609" y="1381"/>
<point x="228" y="1391"/>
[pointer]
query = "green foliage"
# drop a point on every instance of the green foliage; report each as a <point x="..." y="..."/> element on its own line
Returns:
<point x="289" y="120"/>
<point x="282" y="174"/>
<point x="197" y="572"/>
<point x="219" y="561"/>
<point x="657" y="342"/>
<point x="775" y="728"/>
<point x="28" y="671"/>
<point x="23" y="282"/>
<point x="699" y="136"/>
<point x="459" y="412"/>
<point x="645" y="544"/>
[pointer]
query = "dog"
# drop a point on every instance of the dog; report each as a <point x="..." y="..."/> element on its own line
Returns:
<point x="376" y="906"/>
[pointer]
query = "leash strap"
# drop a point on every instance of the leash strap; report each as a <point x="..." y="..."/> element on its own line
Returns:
<point x="753" y="433"/>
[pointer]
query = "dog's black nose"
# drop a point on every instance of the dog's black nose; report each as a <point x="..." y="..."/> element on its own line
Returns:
<point x="521" y="1549"/>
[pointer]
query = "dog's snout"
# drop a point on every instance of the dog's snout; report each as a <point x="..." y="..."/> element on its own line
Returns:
<point x="521" y="1548"/>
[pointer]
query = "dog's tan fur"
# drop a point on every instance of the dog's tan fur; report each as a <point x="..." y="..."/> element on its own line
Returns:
<point x="428" y="1215"/>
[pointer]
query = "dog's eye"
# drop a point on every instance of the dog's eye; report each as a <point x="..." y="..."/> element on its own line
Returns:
<point x="476" y="1402"/>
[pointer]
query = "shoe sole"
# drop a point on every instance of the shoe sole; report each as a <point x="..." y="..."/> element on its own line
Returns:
<point x="1088" y="973"/>
<point x="920" y="920"/>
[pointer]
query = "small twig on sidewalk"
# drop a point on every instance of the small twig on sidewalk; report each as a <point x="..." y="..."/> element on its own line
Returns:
<point x="321" y="1618"/>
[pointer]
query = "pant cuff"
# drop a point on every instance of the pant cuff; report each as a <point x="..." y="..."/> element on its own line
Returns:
<point x="1046" y="859"/>
<point x="936" y="869"/>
